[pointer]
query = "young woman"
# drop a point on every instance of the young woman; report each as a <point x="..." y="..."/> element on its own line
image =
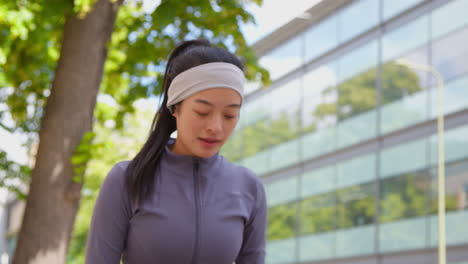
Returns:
<point x="178" y="201"/>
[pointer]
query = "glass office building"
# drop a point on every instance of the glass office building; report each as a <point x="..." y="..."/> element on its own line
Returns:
<point x="345" y="138"/>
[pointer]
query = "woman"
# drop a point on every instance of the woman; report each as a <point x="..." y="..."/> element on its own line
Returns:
<point x="178" y="201"/>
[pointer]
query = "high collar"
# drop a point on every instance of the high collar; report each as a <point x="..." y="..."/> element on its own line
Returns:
<point x="186" y="163"/>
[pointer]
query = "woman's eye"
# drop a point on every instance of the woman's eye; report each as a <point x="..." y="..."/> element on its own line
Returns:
<point x="229" y="116"/>
<point x="201" y="114"/>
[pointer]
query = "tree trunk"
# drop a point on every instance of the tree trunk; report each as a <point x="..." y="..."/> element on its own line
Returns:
<point x="53" y="198"/>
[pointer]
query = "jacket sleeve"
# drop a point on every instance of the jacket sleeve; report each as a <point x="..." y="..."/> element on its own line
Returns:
<point x="110" y="220"/>
<point x="253" y="246"/>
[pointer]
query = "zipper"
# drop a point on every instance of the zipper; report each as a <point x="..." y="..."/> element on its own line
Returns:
<point x="196" y="194"/>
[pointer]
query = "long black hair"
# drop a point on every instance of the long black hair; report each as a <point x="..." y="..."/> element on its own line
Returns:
<point x="140" y="174"/>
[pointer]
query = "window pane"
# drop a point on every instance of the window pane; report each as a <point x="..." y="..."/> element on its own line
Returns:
<point x="318" y="214"/>
<point x="282" y="221"/>
<point x="449" y="17"/>
<point x="283" y="59"/>
<point x="404" y="196"/>
<point x="281" y="251"/>
<point x="456" y="145"/>
<point x="317" y="181"/>
<point x="316" y="143"/>
<point x="317" y="246"/>
<point x="455" y="92"/>
<point x="397" y="42"/>
<point x="394" y="7"/>
<point x="321" y="38"/>
<point x="403" y="235"/>
<point x="403" y="158"/>
<point x="357" y="170"/>
<point x="356" y="241"/>
<point x="450" y="54"/>
<point x="285" y="154"/>
<point x="358" y="18"/>
<point x="259" y="163"/>
<point x="356" y="205"/>
<point x="282" y="191"/>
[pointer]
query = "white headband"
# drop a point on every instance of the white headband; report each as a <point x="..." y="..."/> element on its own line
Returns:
<point x="205" y="76"/>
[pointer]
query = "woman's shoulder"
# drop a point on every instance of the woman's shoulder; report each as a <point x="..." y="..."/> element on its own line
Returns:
<point x="242" y="173"/>
<point x="116" y="175"/>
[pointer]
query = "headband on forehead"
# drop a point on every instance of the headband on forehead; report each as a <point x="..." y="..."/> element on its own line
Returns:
<point x="205" y="76"/>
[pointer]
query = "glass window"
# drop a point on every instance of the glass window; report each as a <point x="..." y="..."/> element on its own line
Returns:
<point x="317" y="181"/>
<point x="316" y="143"/>
<point x="356" y="206"/>
<point x="283" y="59"/>
<point x="357" y="95"/>
<point x="407" y="157"/>
<point x="404" y="196"/>
<point x="455" y="96"/>
<point x="358" y="18"/>
<point x="255" y="137"/>
<point x="321" y="38"/>
<point x="317" y="246"/>
<point x="404" y="97"/>
<point x="282" y="221"/>
<point x="397" y="41"/>
<point x="318" y="214"/>
<point x="259" y="163"/>
<point x="403" y="235"/>
<point x="456" y="202"/>
<point x="320" y="98"/>
<point x="356" y="241"/>
<point x="394" y="7"/>
<point x="281" y="251"/>
<point x="285" y="154"/>
<point x="357" y="170"/>
<point x="449" y="17"/>
<point x="449" y="54"/>
<point x="282" y="191"/>
<point x="456" y="145"/>
<point x="232" y="149"/>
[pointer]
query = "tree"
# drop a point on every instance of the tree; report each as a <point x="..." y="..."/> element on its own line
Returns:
<point x="54" y="53"/>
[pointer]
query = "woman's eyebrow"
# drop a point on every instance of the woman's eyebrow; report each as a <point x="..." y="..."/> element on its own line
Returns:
<point x="205" y="102"/>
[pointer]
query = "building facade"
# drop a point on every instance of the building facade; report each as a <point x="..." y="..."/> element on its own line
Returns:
<point x="345" y="137"/>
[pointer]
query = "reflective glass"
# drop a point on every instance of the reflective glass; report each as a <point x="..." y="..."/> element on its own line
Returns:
<point x="455" y="96"/>
<point x="318" y="213"/>
<point x="282" y="191"/>
<point x="449" y="54"/>
<point x="403" y="235"/>
<point x="356" y="171"/>
<point x="321" y="37"/>
<point x="407" y="157"/>
<point x="356" y="205"/>
<point x="397" y="41"/>
<point x="456" y="145"/>
<point x="358" y="18"/>
<point x="285" y="154"/>
<point x="281" y="251"/>
<point x="394" y="7"/>
<point x="449" y="17"/>
<point x="357" y="128"/>
<point x="320" y="98"/>
<point x="456" y="203"/>
<point x="259" y="163"/>
<point x="282" y="221"/>
<point x="316" y="143"/>
<point x="255" y="137"/>
<point x="317" y="246"/>
<point x="404" y="196"/>
<point x="317" y="181"/>
<point x="232" y="149"/>
<point x="283" y="59"/>
<point x="355" y="241"/>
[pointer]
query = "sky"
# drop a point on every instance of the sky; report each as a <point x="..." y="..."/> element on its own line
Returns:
<point x="270" y="16"/>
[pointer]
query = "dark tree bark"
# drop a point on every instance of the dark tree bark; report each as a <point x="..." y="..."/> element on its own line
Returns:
<point x="53" y="198"/>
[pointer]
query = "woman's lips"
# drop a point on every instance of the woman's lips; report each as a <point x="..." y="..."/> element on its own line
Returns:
<point x="208" y="143"/>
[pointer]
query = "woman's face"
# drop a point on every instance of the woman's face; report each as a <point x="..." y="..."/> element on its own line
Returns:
<point x="205" y="121"/>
